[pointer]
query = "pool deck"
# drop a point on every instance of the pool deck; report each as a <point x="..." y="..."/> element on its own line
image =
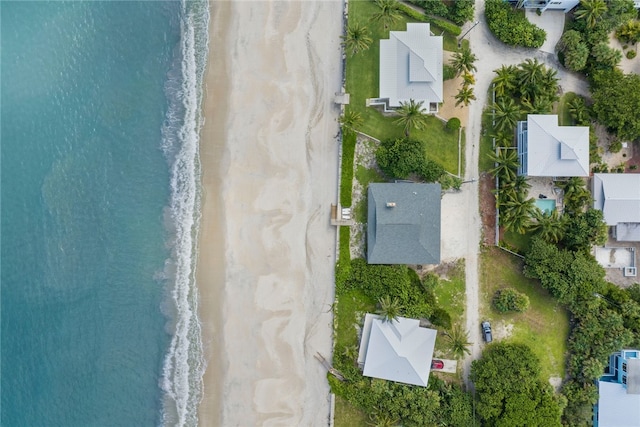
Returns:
<point x="545" y="186"/>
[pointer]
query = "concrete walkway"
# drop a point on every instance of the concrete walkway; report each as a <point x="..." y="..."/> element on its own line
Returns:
<point x="491" y="55"/>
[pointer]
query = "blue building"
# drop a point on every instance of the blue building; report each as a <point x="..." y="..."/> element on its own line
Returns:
<point x="619" y="389"/>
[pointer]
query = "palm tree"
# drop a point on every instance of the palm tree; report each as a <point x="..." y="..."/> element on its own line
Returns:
<point x="388" y="14"/>
<point x="462" y="61"/>
<point x="590" y="11"/>
<point x="389" y="308"/>
<point x="548" y="225"/>
<point x="458" y="340"/>
<point x="578" y="110"/>
<point x="506" y="162"/>
<point x="576" y="196"/>
<point x="540" y="105"/>
<point x="516" y="212"/>
<point x="350" y="352"/>
<point x="468" y="79"/>
<point x="503" y="139"/>
<point x="465" y="96"/>
<point x="357" y="39"/>
<point x="411" y="116"/>
<point x="505" y="80"/>
<point x="351" y="120"/>
<point x="507" y="113"/>
<point x="531" y="76"/>
<point x="519" y="183"/>
<point x="382" y="420"/>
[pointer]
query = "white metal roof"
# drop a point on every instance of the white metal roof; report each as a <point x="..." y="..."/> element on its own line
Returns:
<point x="411" y="66"/>
<point x="399" y="350"/>
<point x="617" y="408"/>
<point x="556" y="150"/>
<point x="617" y="195"/>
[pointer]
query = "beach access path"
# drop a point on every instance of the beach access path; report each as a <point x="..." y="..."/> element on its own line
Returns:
<point x="491" y="54"/>
<point x="269" y="155"/>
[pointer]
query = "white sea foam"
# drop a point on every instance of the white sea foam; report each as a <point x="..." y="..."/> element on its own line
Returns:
<point x="184" y="365"/>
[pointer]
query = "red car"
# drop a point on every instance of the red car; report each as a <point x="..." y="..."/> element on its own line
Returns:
<point x="437" y="364"/>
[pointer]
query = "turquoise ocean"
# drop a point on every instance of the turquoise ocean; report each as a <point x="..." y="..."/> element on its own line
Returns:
<point x="99" y="212"/>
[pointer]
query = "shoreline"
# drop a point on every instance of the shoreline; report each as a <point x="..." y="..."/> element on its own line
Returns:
<point x="269" y="159"/>
<point x="210" y="264"/>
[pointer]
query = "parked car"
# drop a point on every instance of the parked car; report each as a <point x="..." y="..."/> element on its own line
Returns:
<point x="486" y="331"/>
<point x="437" y="364"/>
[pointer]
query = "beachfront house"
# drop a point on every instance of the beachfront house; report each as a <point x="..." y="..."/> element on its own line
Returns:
<point x="619" y="392"/>
<point x="411" y="68"/>
<point x="403" y="223"/>
<point x="546" y="149"/>
<point x="618" y="197"/>
<point x="398" y="350"/>
<point x="543" y="5"/>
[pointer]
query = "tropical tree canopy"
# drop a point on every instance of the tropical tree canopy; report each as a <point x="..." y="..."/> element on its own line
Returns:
<point x="357" y="38"/>
<point x="590" y="11"/>
<point x="411" y="116"/>
<point x="510" y="391"/>
<point x="507" y="114"/>
<point x="463" y="61"/>
<point x="388" y="13"/>
<point x="616" y="99"/>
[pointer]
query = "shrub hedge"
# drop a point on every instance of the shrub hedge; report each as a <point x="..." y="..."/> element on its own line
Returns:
<point x="511" y="26"/>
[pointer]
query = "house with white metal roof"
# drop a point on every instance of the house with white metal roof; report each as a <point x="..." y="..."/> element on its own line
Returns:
<point x="549" y="150"/>
<point x="411" y="68"/>
<point x="399" y="350"/>
<point x="618" y="197"/>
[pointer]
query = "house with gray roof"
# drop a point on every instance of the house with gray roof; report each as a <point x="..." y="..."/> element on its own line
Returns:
<point x="549" y="150"/>
<point x="399" y="350"/>
<point x="618" y="197"/>
<point x="411" y="68"/>
<point x="403" y="223"/>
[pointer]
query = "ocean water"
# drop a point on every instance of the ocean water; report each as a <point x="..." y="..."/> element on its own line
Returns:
<point x="99" y="212"/>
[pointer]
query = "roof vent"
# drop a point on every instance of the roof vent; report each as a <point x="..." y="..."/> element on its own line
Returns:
<point x="391" y="204"/>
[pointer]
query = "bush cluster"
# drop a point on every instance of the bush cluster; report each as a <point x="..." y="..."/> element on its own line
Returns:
<point x="445" y="25"/>
<point x="399" y="158"/>
<point x="508" y="299"/>
<point x="453" y="124"/>
<point x="459" y="11"/>
<point x="511" y="26"/>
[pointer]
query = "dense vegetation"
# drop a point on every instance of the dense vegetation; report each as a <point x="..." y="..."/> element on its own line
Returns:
<point x="508" y="299"/>
<point x="616" y="98"/>
<point x="510" y="25"/>
<point x="510" y="391"/>
<point x="401" y="157"/>
<point x="440" y="403"/>
<point x="459" y="11"/>
<point x="605" y="318"/>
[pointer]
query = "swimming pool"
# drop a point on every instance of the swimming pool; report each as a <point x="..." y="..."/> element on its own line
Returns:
<point x="546" y="205"/>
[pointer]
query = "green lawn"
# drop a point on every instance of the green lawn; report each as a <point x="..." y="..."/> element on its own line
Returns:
<point x="351" y="306"/>
<point x="363" y="81"/>
<point x="544" y="326"/>
<point x="450" y="293"/>
<point x="365" y="177"/>
<point x="348" y="416"/>
<point x="517" y="241"/>
<point x="486" y="143"/>
<point x="562" y="110"/>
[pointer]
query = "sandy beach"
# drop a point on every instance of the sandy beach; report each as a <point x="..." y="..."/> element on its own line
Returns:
<point x="269" y="173"/>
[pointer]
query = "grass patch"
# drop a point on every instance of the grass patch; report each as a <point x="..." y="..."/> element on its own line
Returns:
<point x="486" y="142"/>
<point x="562" y="109"/>
<point x="348" y="416"/>
<point x="363" y="83"/>
<point x="517" y="241"/>
<point x="351" y="306"/>
<point x="450" y="293"/>
<point x="544" y="326"/>
<point x="346" y="180"/>
<point x="345" y="254"/>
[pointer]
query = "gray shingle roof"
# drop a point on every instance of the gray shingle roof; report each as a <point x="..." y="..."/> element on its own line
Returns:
<point x="553" y="150"/>
<point x="411" y="66"/>
<point x="408" y="232"/>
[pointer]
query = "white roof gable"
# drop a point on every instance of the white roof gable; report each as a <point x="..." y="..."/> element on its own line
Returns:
<point x="617" y="408"/>
<point x="617" y="196"/>
<point x="556" y="150"/>
<point x="411" y="66"/>
<point x="397" y="351"/>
